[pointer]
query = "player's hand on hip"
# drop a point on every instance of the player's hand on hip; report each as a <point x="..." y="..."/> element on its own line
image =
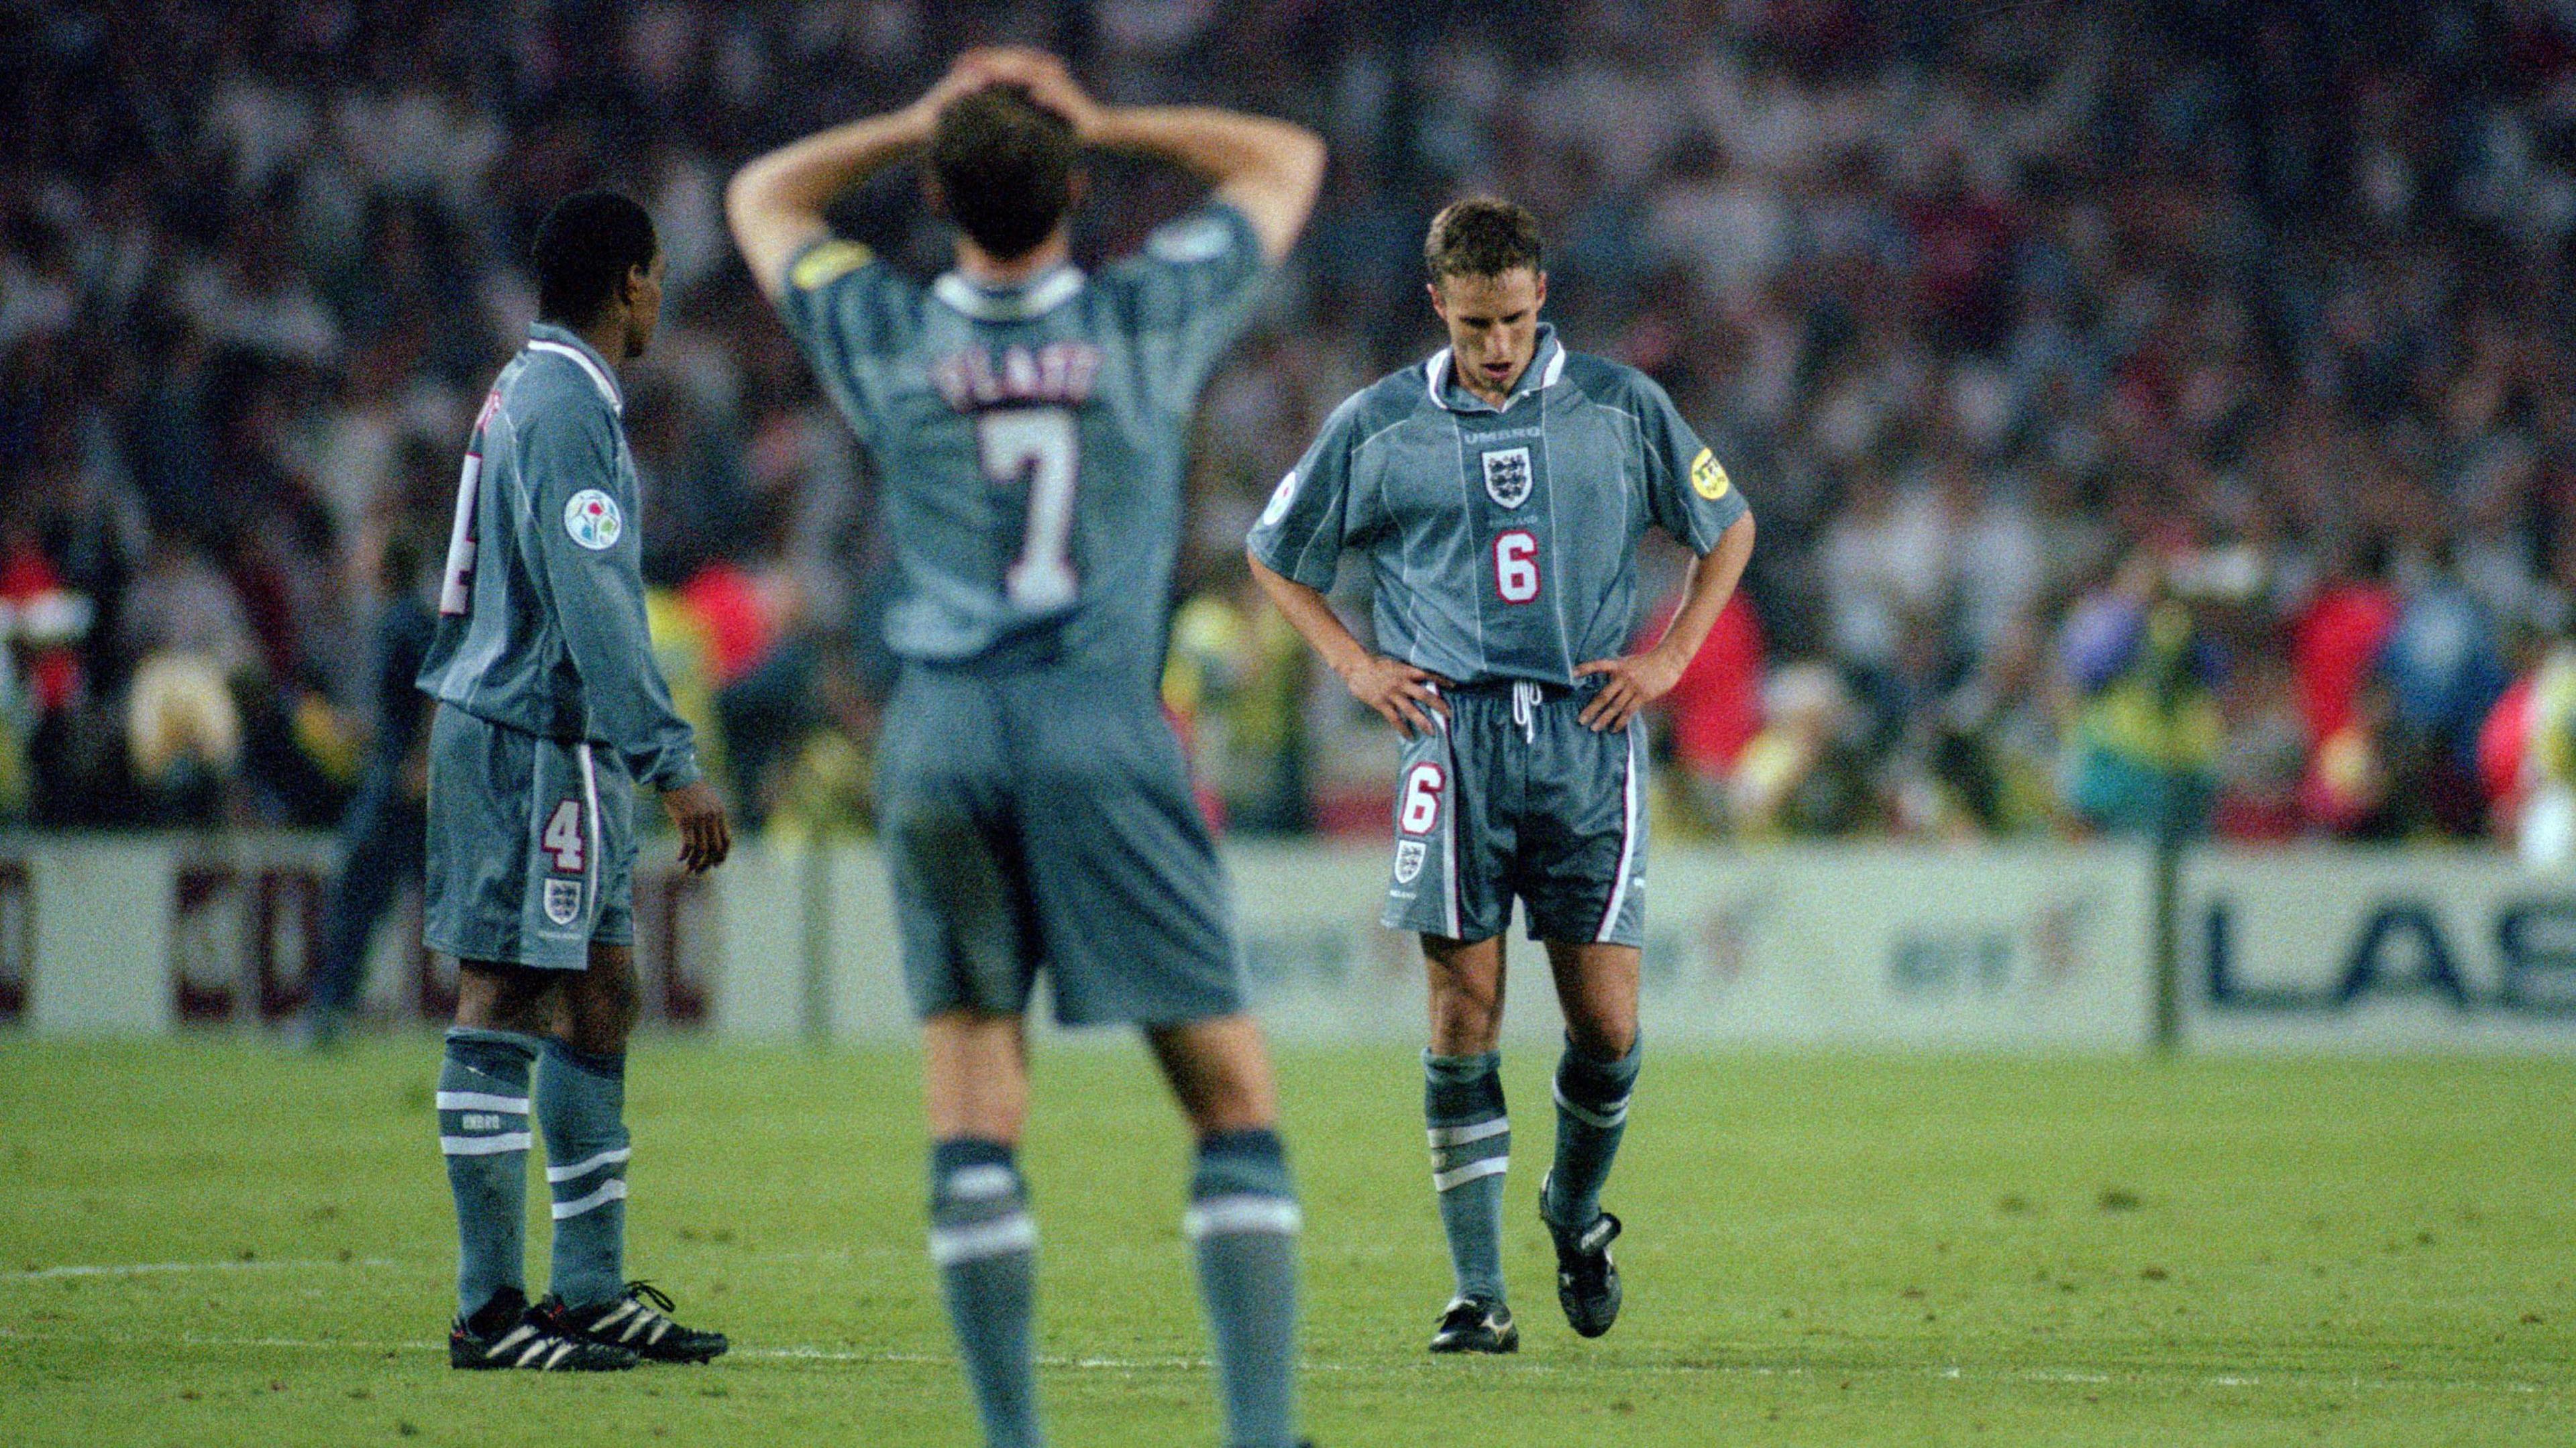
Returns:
<point x="1405" y="695"/>
<point x="697" y="812"/>
<point x="1634" y="682"/>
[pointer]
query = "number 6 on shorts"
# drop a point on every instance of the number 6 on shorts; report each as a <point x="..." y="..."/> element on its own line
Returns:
<point x="1421" y="798"/>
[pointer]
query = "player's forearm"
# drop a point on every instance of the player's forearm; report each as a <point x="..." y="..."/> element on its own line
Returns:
<point x="1270" y="169"/>
<point x="775" y="205"/>
<point x="1712" y="583"/>
<point x="631" y="712"/>
<point x="1313" y="618"/>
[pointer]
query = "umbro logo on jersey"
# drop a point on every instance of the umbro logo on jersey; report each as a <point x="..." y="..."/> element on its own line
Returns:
<point x="1507" y="476"/>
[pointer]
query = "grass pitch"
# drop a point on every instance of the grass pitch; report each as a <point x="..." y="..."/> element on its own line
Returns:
<point x="212" y="1242"/>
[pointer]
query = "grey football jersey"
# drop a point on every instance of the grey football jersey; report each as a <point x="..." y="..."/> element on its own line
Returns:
<point x="1503" y="541"/>
<point x="541" y="613"/>
<point x="1030" y="440"/>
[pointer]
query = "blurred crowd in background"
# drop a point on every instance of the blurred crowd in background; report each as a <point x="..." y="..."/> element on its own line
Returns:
<point x="2161" y="416"/>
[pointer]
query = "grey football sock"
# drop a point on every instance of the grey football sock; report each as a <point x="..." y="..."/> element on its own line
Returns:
<point x="581" y="1107"/>
<point x="985" y="1244"/>
<point x="483" y="1131"/>
<point x="1471" y="1147"/>
<point x="1591" y="1116"/>
<point x="1243" y="1216"/>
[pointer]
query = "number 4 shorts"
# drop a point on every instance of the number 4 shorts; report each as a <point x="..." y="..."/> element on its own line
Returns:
<point x="531" y="851"/>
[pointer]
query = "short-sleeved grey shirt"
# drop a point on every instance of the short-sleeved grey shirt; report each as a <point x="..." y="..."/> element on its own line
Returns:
<point x="1503" y="542"/>
<point x="1031" y="440"/>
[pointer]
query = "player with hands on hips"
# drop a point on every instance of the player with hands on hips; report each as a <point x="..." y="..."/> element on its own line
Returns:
<point x="1498" y="491"/>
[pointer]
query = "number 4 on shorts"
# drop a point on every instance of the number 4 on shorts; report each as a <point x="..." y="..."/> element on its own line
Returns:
<point x="563" y="838"/>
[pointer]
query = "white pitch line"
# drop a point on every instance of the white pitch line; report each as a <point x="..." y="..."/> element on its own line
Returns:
<point x="152" y="1269"/>
<point x="1949" y="1373"/>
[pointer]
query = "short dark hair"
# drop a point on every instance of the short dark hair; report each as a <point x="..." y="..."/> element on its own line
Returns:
<point x="1482" y="236"/>
<point x="584" y="249"/>
<point x="1005" y="168"/>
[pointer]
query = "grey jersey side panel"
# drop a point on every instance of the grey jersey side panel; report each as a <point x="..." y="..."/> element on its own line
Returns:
<point x="544" y="630"/>
<point x="980" y="405"/>
<point x="1502" y="545"/>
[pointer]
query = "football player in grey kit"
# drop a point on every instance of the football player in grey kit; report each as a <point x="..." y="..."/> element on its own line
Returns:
<point x="1030" y="424"/>
<point x="550" y="711"/>
<point x="1499" y="491"/>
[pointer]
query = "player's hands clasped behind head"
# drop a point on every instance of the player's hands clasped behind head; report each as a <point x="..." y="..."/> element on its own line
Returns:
<point x="1405" y="695"/>
<point x="1045" y="77"/>
<point x="1635" y="682"/>
<point x="1048" y="81"/>
<point x="697" y="812"/>
<point x="967" y="74"/>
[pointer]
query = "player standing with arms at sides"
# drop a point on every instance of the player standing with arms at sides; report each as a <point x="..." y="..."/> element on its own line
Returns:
<point x="1500" y="490"/>
<point x="550" y="710"/>
<point x="1030" y="424"/>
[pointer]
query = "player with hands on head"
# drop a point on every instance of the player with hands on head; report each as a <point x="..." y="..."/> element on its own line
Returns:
<point x="1499" y="491"/>
<point x="1030" y="422"/>
<point x="550" y="711"/>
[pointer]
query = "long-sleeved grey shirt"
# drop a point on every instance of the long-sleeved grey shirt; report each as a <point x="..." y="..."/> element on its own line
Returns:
<point x="541" y="612"/>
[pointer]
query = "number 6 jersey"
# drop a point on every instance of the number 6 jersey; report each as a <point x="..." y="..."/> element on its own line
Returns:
<point x="1503" y="541"/>
<point x="1030" y="440"/>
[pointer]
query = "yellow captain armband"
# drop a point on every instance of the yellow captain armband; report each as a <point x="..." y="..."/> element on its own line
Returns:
<point x="1708" y="476"/>
<point x="828" y="263"/>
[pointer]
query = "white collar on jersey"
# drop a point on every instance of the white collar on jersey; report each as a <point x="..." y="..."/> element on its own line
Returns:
<point x="547" y="337"/>
<point x="1548" y="363"/>
<point x="1035" y="297"/>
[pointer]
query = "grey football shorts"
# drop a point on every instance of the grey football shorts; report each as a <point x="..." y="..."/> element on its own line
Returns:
<point x="1042" y="819"/>
<point x="531" y="855"/>
<point x="1515" y="799"/>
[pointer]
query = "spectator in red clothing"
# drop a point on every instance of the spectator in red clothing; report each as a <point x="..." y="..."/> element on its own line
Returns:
<point x="2336" y="640"/>
<point x="1716" y="708"/>
<point x="45" y="617"/>
<point x="740" y="618"/>
<point x="2502" y="745"/>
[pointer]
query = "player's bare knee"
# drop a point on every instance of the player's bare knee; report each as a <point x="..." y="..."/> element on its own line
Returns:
<point x="601" y="1006"/>
<point x="1603" y="1036"/>
<point x="494" y="997"/>
<point x="1466" y="999"/>
<point x="1219" y="1072"/>
<point x="1465" y="1024"/>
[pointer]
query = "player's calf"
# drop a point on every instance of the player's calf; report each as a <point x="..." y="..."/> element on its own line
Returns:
<point x="1471" y="1148"/>
<point x="985" y="1245"/>
<point x="1591" y="1118"/>
<point x="483" y="1134"/>
<point x="1243" y="1219"/>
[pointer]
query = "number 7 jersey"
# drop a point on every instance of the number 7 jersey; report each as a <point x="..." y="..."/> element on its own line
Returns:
<point x="1030" y="441"/>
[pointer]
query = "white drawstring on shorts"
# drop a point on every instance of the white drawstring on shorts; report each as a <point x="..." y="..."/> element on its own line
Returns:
<point x="1526" y="697"/>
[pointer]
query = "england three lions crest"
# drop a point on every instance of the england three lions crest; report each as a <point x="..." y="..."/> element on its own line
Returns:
<point x="1507" y="476"/>
<point x="563" y="901"/>
<point x="1408" y="860"/>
